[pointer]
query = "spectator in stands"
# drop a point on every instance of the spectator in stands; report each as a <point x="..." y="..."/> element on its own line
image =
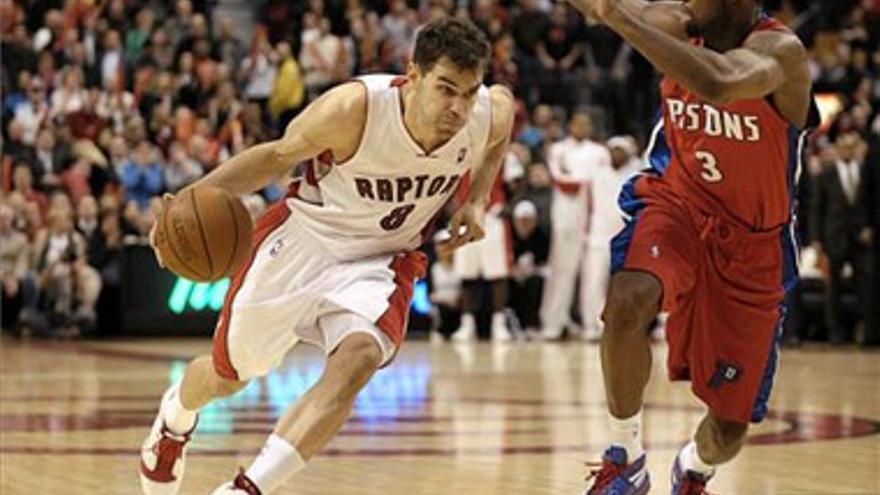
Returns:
<point x="539" y="190"/>
<point x="14" y="147"/>
<point x="67" y="287"/>
<point x="837" y="206"/>
<point x="230" y="49"/>
<point x="23" y="183"/>
<point x="142" y="176"/>
<point x="528" y="27"/>
<point x="572" y="162"/>
<point x="288" y="89"/>
<point x="14" y="264"/>
<point x="259" y="69"/>
<point x="324" y="58"/>
<point x="534" y="134"/>
<point x="18" y="94"/>
<point x="137" y="36"/>
<point x="445" y="295"/>
<point x="105" y="250"/>
<point x="531" y="248"/>
<point x="70" y="97"/>
<point x="870" y="235"/>
<point x="33" y="112"/>
<point x="605" y="221"/>
<point x="50" y="160"/>
<point x="181" y="169"/>
<point x="115" y="104"/>
<point x="399" y="26"/>
<point x="559" y="49"/>
<point x="177" y="25"/>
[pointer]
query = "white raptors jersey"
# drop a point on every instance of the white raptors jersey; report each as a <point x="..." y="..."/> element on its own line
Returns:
<point x="382" y="199"/>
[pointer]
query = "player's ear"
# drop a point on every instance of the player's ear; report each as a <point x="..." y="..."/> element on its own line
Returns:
<point x="413" y="72"/>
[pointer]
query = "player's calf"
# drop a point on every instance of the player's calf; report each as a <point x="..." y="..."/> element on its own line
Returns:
<point x="716" y="442"/>
<point x="309" y="424"/>
<point x="720" y="440"/>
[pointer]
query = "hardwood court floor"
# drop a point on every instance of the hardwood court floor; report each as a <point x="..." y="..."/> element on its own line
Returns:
<point x="473" y="420"/>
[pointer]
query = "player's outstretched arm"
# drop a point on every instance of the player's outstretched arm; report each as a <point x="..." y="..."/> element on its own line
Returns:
<point x="669" y="16"/>
<point x="483" y="175"/>
<point x="333" y="122"/>
<point x="759" y="68"/>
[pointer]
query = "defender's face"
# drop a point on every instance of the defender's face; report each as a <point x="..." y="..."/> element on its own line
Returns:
<point x="705" y="12"/>
<point x="445" y="95"/>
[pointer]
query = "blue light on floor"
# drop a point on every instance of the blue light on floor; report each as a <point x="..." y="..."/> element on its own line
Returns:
<point x="421" y="303"/>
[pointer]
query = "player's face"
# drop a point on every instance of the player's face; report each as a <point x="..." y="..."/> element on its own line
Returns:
<point x="445" y="95"/>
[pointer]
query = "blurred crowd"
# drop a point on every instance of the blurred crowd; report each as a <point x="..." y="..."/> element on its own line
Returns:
<point x="108" y="104"/>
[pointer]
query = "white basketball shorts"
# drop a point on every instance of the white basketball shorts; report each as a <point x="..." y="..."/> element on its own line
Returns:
<point x="291" y="290"/>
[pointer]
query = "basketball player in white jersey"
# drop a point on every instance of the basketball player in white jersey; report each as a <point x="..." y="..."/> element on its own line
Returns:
<point x="334" y="264"/>
<point x="572" y="161"/>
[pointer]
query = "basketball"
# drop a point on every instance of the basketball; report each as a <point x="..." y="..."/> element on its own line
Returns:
<point x="204" y="234"/>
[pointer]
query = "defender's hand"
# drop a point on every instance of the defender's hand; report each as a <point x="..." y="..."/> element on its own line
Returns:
<point x="597" y="9"/>
<point x="464" y="226"/>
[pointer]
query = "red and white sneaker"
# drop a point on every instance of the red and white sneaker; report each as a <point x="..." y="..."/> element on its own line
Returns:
<point x="241" y="485"/>
<point x="163" y="456"/>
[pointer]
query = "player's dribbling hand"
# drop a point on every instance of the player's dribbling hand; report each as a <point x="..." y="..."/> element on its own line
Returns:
<point x="157" y="214"/>
<point x="464" y="227"/>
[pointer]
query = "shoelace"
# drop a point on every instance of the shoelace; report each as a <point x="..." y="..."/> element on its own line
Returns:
<point x="603" y="473"/>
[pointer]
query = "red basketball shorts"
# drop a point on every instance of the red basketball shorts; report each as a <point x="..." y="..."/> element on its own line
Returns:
<point x="724" y="289"/>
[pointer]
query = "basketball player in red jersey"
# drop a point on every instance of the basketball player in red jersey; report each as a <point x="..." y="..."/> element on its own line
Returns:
<point x="709" y="237"/>
<point x="334" y="263"/>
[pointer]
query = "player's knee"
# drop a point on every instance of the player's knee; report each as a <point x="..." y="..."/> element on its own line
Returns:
<point x="359" y="356"/>
<point x="633" y="301"/>
<point x="225" y="388"/>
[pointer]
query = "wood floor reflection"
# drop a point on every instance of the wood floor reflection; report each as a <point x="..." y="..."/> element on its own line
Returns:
<point x="443" y="419"/>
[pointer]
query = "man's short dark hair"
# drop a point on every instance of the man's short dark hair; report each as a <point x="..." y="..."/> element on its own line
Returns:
<point x="461" y="41"/>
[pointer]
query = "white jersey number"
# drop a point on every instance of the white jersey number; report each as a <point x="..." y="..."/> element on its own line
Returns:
<point x="710" y="172"/>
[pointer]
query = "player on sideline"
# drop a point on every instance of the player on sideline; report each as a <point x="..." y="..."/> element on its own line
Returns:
<point x="334" y="263"/>
<point x="709" y="237"/>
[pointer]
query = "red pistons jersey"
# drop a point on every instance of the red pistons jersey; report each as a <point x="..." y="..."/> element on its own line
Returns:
<point x="741" y="159"/>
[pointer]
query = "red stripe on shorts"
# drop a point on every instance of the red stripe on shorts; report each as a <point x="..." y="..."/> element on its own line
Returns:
<point x="271" y="220"/>
<point x="407" y="268"/>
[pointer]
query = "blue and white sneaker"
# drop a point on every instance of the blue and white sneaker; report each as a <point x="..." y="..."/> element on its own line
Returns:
<point x="615" y="476"/>
<point x="688" y="482"/>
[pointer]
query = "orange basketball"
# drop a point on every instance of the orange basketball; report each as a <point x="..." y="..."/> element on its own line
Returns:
<point x="204" y="234"/>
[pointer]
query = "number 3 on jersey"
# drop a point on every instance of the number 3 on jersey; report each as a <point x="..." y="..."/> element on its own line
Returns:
<point x="710" y="172"/>
<point x="394" y="219"/>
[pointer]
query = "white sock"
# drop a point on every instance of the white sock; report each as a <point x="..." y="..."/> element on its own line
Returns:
<point x="468" y="320"/>
<point x="277" y="462"/>
<point x="627" y="433"/>
<point x="178" y="419"/>
<point x="691" y="461"/>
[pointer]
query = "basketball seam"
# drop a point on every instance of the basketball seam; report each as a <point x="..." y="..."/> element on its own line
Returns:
<point x="171" y="244"/>
<point x="235" y="230"/>
<point x="202" y="232"/>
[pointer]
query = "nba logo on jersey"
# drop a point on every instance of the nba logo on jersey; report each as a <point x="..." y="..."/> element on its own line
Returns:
<point x="724" y="373"/>
<point x="461" y="154"/>
<point x="276" y="248"/>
